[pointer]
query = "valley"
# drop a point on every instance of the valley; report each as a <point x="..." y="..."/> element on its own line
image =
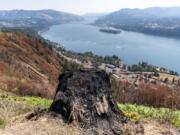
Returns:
<point x="95" y="74"/>
<point x="131" y="47"/>
<point x="40" y="62"/>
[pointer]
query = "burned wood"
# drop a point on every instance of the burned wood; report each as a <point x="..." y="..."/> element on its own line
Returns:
<point x="85" y="96"/>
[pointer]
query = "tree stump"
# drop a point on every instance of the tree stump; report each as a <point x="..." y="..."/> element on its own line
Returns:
<point x="85" y="96"/>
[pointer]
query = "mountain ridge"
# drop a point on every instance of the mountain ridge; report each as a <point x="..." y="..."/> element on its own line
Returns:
<point x="36" y="19"/>
<point x="155" y="20"/>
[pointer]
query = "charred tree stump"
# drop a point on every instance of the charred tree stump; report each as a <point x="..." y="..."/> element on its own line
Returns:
<point x="85" y="96"/>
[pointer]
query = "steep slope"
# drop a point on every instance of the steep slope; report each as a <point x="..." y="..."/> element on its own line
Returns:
<point x="27" y="66"/>
<point x="36" y="19"/>
<point x="156" y="21"/>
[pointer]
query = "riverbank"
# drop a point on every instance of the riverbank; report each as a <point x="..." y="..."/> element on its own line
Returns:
<point x="44" y="30"/>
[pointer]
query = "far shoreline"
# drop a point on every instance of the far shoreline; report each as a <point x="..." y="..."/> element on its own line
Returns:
<point x="44" y="30"/>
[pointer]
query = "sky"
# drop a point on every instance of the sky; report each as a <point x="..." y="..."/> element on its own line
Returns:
<point x="84" y="6"/>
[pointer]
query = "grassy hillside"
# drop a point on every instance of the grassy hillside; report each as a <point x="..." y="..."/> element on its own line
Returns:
<point x="27" y="66"/>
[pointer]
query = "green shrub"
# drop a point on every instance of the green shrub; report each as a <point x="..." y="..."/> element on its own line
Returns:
<point x="138" y="112"/>
<point x="31" y="101"/>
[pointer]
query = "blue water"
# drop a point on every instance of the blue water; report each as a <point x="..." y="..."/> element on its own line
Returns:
<point x="131" y="47"/>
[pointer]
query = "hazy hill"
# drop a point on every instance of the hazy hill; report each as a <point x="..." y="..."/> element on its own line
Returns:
<point x="156" y="21"/>
<point x="94" y="14"/>
<point x="27" y="66"/>
<point x="37" y="19"/>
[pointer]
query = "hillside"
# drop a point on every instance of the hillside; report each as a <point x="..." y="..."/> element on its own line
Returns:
<point x="27" y="67"/>
<point x="156" y="21"/>
<point x="36" y="19"/>
<point x="83" y="105"/>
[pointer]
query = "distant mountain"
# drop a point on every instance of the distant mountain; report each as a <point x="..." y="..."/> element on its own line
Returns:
<point x="36" y="19"/>
<point x="94" y="14"/>
<point x="91" y="17"/>
<point x="156" y="20"/>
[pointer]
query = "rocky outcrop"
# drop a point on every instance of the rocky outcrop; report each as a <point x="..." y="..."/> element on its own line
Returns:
<point x="84" y="96"/>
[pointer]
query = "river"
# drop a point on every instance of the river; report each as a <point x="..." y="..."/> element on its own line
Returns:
<point x="131" y="47"/>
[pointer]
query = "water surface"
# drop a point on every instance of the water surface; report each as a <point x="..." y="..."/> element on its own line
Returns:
<point x="132" y="47"/>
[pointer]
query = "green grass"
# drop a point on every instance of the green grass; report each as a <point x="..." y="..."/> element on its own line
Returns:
<point x="133" y="111"/>
<point x="138" y="112"/>
<point x="33" y="101"/>
<point x="24" y="104"/>
<point x="2" y="123"/>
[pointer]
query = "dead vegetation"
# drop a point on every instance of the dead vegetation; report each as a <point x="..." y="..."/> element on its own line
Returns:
<point x="28" y="67"/>
<point x="156" y="95"/>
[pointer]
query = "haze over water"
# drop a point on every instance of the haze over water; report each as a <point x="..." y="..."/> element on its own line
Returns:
<point x="131" y="47"/>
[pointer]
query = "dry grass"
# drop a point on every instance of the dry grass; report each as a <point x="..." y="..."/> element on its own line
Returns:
<point x="25" y="59"/>
<point x="159" y="96"/>
<point x="12" y="106"/>
<point x="152" y="95"/>
<point x="156" y="95"/>
<point x="14" y="109"/>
